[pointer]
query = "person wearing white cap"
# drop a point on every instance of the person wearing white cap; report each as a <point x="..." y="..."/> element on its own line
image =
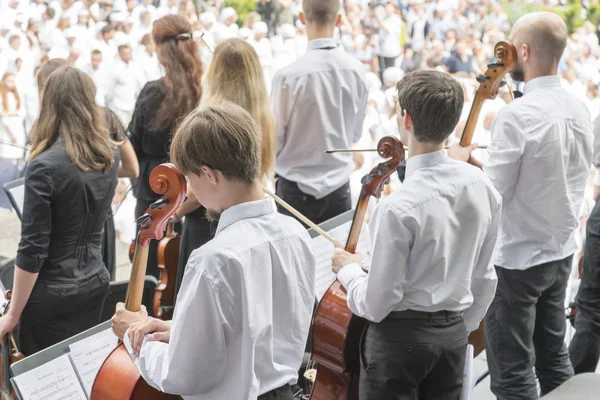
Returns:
<point x="229" y="18"/>
<point x="390" y="77"/>
<point x="319" y="102"/>
<point x="245" y="34"/>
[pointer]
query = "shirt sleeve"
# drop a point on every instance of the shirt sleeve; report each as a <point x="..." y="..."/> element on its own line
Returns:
<point x="281" y="103"/>
<point x="484" y="279"/>
<point x="375" y="295"/>
<point x="505" y="152"/>
<point x="203" y="317"/>
<point x="36" y="225"/>
<point x="596" y="155"/>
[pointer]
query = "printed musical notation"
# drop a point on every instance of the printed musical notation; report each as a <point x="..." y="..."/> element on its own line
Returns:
<point x="323" y="250"/>
<point x="55" y="380"/>
<point x="89" y="354"/>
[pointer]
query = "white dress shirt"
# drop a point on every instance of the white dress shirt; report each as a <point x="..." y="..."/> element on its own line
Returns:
<point x="122" y="86"/>
<point x="243" y="313"/>
<point x="432" y="244"/>
<point x="319" y="102"/>
<point x="539" y="159"/>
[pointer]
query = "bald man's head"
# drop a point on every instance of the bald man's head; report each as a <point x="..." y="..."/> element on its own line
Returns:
<point x="540" y="39"/>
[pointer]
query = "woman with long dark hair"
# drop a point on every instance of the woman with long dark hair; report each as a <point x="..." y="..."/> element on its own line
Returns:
<point x="60" y="281"/>
<point x="161" y="104"/>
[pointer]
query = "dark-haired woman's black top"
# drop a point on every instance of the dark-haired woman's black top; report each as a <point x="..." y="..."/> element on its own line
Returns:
<point x="61" y="239"/>
<point x="151" y="146"/>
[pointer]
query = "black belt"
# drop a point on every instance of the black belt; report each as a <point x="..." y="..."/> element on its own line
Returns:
<point x="412" y="314"/>
<point x="285" y="389"/>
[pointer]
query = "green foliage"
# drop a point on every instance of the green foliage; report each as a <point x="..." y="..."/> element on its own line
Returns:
<point x="573" y="13"/>
<point x="515" y="9"/>
<point x="243" y="8"/>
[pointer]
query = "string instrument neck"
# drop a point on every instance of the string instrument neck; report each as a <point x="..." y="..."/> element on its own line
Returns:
<point x="467" y="136"/>
<point x="135" y="290"/>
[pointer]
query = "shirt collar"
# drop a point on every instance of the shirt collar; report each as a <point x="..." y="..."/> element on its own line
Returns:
<point x="542" y="82"/>
<point x="425" y="160"/>
<point x="241" y="211"/>
<point x="316" y="44"/>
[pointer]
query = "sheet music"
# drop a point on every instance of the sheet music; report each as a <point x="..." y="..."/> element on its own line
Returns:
<point x="18" y="193"/>
<point x="323" y="250"/>
<point x="469" y="378"/>
<point x="89" y="354"/>
<point x="55" y="380"/>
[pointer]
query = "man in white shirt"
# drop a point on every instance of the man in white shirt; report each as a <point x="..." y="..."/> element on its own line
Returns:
<point x="319" y="103"/>
<point x="431" y="280"/>
<point x="95" y="71"/>
<point x="539" y="159"/>
<point x="243" y="312"/>
<point x="122" y="86"/>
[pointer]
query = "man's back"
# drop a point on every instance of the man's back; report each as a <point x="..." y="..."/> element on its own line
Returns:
<point x="319" y="103"/>
<point x="539" y="160"/>
<point x="244" y="309"/>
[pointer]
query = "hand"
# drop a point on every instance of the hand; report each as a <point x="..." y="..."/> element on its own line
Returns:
<point x="124" y="318"/>
<point x="8" y="322"/>
<point x="158" y="330"/>
<point x="341" y="258"/>
<point x="460" y="153"/>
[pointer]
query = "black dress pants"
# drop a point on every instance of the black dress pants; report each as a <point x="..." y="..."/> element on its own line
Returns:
<point x="316" y="210"/>
<point x="57" y="311"/>
<point x="525" y="331"/>
<point x="413" y="355"/>
<point x="282" y="393"/>
<point x="585" y="347"/>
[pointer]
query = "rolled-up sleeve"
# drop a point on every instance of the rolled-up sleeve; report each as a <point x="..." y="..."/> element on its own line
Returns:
<point x="36" y="225"/>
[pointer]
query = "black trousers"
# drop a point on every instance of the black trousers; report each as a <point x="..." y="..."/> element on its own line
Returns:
<point x="413" y="355"/>
<point x="316" y="210"/>
<point x="282" y="393"/>
<point x="57" y="311"/>
<point x="585" y="346"/>
<point x="385" y="63"/>
<point x="525" y="328"/>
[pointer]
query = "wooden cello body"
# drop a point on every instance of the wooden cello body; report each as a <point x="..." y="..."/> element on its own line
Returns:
<point x="168" y="259"/>
<point x="490" y="84"/>
<point x="336" y="332"/>
<point x="119" y="378"/>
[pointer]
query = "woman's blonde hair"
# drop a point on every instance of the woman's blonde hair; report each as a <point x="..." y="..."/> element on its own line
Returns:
<point x="68" y="111"/>
<point x="235" y="75"/>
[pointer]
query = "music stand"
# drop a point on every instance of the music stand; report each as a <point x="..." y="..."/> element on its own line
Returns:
<point x="15" y="190"/>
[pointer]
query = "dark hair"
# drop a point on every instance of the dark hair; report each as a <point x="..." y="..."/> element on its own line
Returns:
<point x="124" y="47"/>
<point x="146" y="39"/>
<point x="47" y="69"/>
<point x="434" y="101"/>
<point x="220" y="136"/>
<point x="50" y="12"/>
<point x="96" y="51"/>
<point x="107" y="29"/>
<point x="321" y="12"/>
<point x="183" y="70"/>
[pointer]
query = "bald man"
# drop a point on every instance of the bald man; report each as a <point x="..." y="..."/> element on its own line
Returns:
<point x="539" y="159"/>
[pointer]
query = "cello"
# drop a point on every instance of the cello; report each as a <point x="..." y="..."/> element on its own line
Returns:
<point x="168" y="259"/>
<point x="118" y="377"/>
<point x="336" y="332"/>
<point x="489" y="85"/>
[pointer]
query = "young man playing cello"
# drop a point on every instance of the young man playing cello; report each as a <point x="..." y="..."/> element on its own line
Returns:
<point x="430" y="281"/>
<point x="243" y="313"/>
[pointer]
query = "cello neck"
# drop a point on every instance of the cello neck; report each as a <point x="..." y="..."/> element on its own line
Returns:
<point x="357" y="222"/>
<point x="467" y="136"/>
<point x="135" y="289"/>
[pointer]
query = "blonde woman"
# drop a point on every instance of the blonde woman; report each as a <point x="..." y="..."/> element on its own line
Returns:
<point x="60" y="281"/>
<point x="234" y="75"/>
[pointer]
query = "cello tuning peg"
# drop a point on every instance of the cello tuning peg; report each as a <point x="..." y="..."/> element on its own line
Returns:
<point x="159" y="203"/>
<point x="481" y="78"/>
<point x="143" y="219"/>
<point x="387" y="181"/>
<point x="366" y="179"/>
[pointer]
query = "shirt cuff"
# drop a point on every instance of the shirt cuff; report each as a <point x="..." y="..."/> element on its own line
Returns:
<point x="128" y="345"/>
<point x="348" y="273"/>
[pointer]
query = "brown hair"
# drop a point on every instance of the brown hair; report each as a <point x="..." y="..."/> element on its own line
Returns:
<point x="47" y="69"/>
<point x="434" y="101"/>
<point x="4" y="92"/>
<point x="68" y="111"/>
<point x="220" y="136"/>
<point x="235" y="75"/>
<point x="321" y="12"/>
<point x="183" y="70"/>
